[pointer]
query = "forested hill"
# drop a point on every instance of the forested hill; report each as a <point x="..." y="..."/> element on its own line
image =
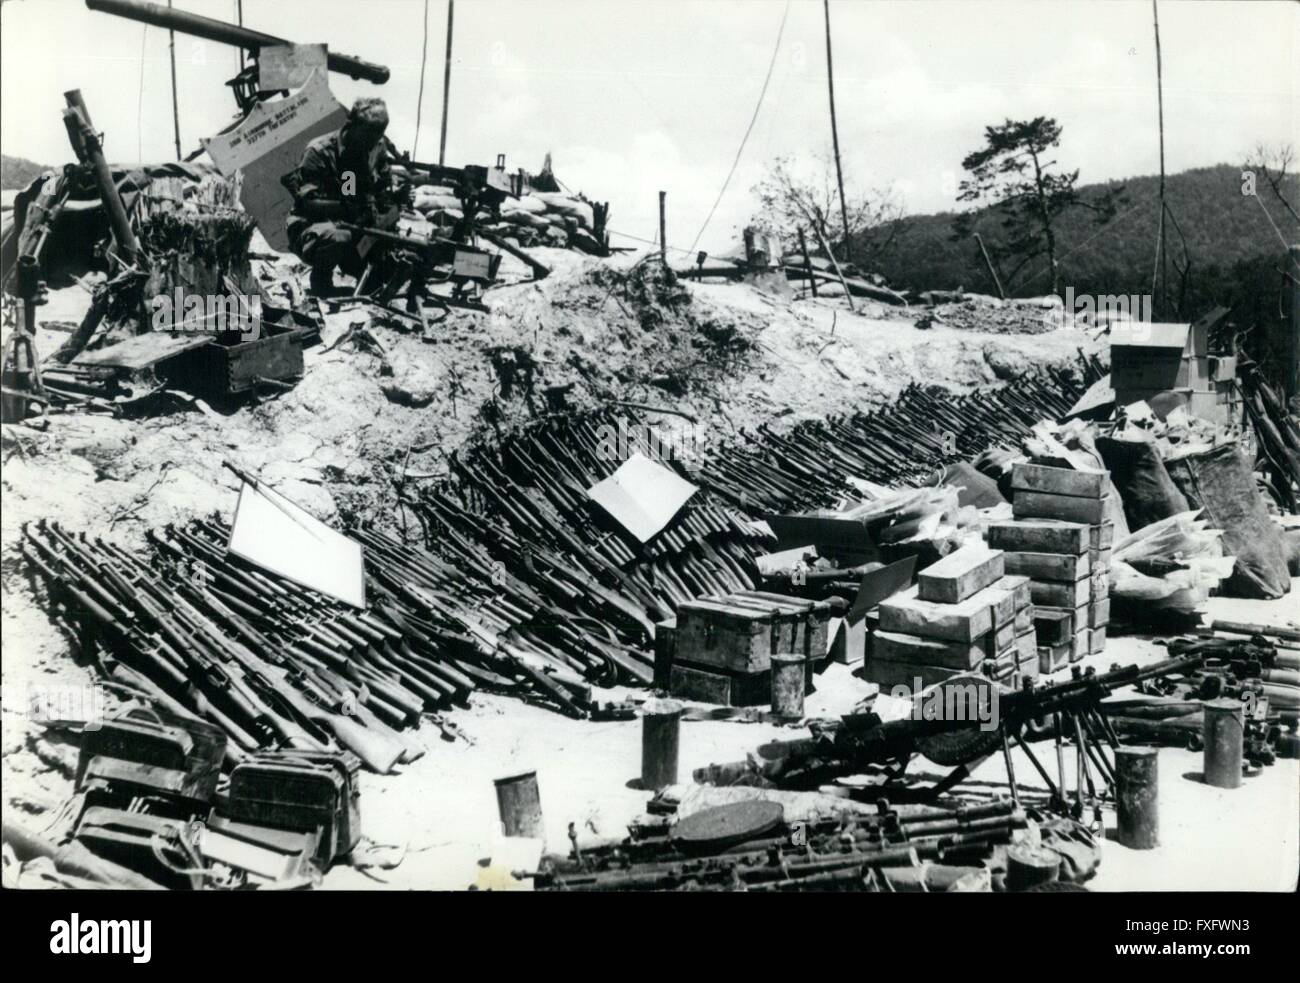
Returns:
<point x="17" y="172"/>
<point x="1223" y="229"/>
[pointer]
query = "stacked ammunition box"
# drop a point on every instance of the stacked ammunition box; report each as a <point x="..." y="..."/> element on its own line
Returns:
<point x="1061" y="541"/>
<point x="963" y="615"/>
<point x="719" y="648"/>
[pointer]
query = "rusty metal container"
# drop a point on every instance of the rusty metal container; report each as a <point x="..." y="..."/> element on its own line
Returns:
<point x="1137" y="795"/>
<point x="520" y="805"/>
<point x="1223" y="733"/>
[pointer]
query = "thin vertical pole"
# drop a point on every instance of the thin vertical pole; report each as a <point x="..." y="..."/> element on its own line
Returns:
<point x="835" y="133"/>
<point x="176" y="109"/>
<point x="997" y="282"/>
<point x="663" y="228"/>
<point x="1292" y="381"/>
<point x="446" y="84"/>
<point x="1158" y="268"/>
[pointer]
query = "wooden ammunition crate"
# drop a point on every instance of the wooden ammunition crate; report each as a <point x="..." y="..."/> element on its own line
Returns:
<point x="1024" y="620"/>
<point x="709" y="685"/>
<point x="1046" y="593"/>
<point x="1081" y="644"/>
<point x="727" y="636"/>
<point x="1099" y="613"/>
<point x="915" y="649"/>
<point x="1041" y="536"/>
<point x="888" y="674"/>
<point x="812" y="620"/>
<point x="960" y="574"/>
<point x="1059" y="481"/>
<point x="999" y="639"/>
<point x="1053" y="658"/>
<point x="1056" y="625"/>
<point x="1061" y="567"/>
<point x="1068" y="508"/>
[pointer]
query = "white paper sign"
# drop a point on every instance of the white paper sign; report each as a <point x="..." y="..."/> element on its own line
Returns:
<point x="278" y="535"/>
<point x="642" y="495"/>
<point x="268" y="144"/>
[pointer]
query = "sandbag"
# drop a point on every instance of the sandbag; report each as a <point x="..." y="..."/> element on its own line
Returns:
<point x="1219" y="482"/>
<point x="425" y="202"/>
<point x="1139" y="475"/>
<point x="534" y="204"/>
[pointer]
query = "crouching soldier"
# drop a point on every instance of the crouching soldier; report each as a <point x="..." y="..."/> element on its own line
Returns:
<point x="344" y="177"/>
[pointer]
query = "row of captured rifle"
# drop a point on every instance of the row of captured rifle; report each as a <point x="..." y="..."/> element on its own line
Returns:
<point x="515" y="515"/>
<point x="198" y="630"/>
<point x="904" y="443"/>
<point x="827" y="853"/>
<point x="522" y="586"/>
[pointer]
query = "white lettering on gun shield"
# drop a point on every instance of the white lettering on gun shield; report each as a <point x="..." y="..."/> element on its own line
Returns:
<point x="102" y="936"/>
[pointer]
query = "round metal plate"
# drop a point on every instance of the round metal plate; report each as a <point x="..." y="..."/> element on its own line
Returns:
<point x="724" y="826"/>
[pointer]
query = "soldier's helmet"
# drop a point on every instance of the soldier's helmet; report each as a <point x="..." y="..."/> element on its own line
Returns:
<point x="369" y="112"/>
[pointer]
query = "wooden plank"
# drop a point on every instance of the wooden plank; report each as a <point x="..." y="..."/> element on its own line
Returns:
<point x="144" y="350"/>
<point x="1040" y="536"/>
<point x="1081" y="644"/>
<point x="1046" y="593"/>
<point x="1060" y="567"/>
<point x="897" y="647"/>
<point x="960" y="574"/>
<point x="1068" y="508"/>
<point x="1096" y="640"/>
<point x="1059" y="481"/>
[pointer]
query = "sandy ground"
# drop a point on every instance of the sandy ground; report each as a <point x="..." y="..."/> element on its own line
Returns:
<point x="443" y="807"/>
<point x="335" y="441"/>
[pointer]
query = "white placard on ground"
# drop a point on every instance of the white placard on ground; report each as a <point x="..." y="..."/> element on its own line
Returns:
<point x="278" y="535"/>
<point x="642" y="495"/>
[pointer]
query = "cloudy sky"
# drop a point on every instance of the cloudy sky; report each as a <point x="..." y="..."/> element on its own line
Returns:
<point x="634" y="96"/>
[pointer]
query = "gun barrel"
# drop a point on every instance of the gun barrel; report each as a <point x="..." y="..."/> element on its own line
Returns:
<point x="221" y="32"/>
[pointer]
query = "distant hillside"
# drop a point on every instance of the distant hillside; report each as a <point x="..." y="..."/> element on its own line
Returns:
<point x="1236" y="256"/>
<point x="1221" y="226"/>
<point x="17" y="172"/>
